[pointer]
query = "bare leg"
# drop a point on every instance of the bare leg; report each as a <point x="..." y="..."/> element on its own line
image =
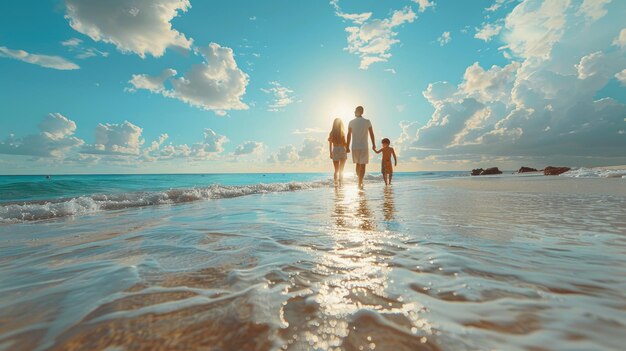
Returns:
<point x="342" y="164"/>
<point x="336" y="165"/>
<point x="361" y="174"/>
<point x="390" y="176"/>
<point x="385" y="177"/>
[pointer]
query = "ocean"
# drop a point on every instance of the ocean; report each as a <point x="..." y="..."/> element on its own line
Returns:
<point x="437" y="261"/>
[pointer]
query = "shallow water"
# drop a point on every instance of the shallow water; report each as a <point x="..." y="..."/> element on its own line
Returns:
<point x="414" y="266"/>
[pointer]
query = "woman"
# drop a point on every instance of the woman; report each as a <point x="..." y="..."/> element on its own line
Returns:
<point x="337" y="147"/>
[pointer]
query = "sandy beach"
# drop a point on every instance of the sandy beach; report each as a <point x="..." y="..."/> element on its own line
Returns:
<point x="538" y="183"/>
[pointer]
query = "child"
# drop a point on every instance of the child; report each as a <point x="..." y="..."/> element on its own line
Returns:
<point x="386" y="167"/>
<point x="338" y="149"/>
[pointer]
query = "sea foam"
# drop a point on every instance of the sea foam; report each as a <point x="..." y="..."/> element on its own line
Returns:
<point x="595" y="173"/>
<point x="39" y="210"/>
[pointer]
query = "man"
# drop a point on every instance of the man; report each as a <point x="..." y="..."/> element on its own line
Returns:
<point x="360" y="127"/>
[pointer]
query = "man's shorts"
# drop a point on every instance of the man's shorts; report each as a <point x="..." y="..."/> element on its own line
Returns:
<point x="360" y="156"/>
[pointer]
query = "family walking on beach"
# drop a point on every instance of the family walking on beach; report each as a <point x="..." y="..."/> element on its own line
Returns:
<point x="358" y="130"/>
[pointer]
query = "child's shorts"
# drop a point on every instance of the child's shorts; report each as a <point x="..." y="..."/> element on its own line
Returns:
<point x="386" y="167"/>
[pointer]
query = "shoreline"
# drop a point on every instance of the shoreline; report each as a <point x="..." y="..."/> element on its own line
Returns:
<point x="536" y="183"/>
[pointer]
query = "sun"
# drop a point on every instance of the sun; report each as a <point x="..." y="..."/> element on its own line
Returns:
<point x="341" y="109"/>
<point x="339" y="105"/>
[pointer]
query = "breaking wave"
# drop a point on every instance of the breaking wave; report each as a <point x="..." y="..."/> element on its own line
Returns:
<point x="16" y="212"/>
<point x="595" y="173"/>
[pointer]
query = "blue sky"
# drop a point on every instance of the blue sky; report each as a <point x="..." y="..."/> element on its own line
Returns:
<point x="254" y="85"/>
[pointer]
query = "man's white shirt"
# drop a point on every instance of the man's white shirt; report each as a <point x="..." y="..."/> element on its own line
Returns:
<point x="360" y="129"/>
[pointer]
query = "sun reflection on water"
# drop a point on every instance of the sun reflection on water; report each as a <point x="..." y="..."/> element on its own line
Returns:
<point x="353" y="294"/>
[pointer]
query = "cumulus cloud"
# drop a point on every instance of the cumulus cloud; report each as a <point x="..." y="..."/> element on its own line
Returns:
<point x="444" y="39"/>
<point x="372" y="39"/>
<point x="488" y="31"/>
<point x="155" y="84"/>
<point x="140" y="26"/>
<point x="213" y="143"/>
<point x="424" y="4"/>
<point x="311" y="149"/>
<point x="283" y="96"/>
<point x="248" y="147"/>
<point x="216" y="84"/>
<point x="533" y="27"/>
<point x="55" y="139"/>
<point x="621" y="76"/>
<point x="54" y="62"/>
<point x="116" y="139"/>
<point x="621" y="39"/>
<point x="593" y="9"/>
<point x="286" y="154"/>
<point x="545" y="104"/>
<point x="210" y="147"/>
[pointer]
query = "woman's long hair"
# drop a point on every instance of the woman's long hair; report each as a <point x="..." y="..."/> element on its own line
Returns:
<point x="337" y="134"/>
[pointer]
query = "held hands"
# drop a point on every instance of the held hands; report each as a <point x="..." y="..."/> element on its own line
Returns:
<point x="347" y="150"/>
<point x="374" y="148"/>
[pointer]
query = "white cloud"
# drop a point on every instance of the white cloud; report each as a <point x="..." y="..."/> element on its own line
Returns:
<point x="593" y="9"/>
<point x="544" y="105"/>
<point x="54" y="140"/>
<point x="439" y="92"/>
<point x="116" y="139"/>
<point x="357" y="18"/>
<point x="495" y="6"/>
<point x="310" y="152"/>
<point x="311" y="149"/>
<point x="286" y="154"/>
<point x="424" y="4"/>
<point x="621" y="76"/>
<point x="75" y="45"/>
<point x="55" y="62"/>
<point x="444" y="39"/>
<point x="71" y="42"/>
<point x="533" y="27"/>
<point x="213" y="143"/>
<point x="621" y="39"/>
<point x="155" y="84"/>
<point x="488" y="31"/>
<point x="217" y="84"/>
<point x="372" y="39"/>
<point x="140" y="26"/>
<point x="209" y="148"/>
<point x="390" y="70"/>
<point x="309" y="131"/>
<point x="248" y="147"/>
<point x="283" y="96"/>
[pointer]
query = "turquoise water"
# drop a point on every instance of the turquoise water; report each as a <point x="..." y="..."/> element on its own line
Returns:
<point x="27" y="198"/>
<point x="38" y="187"/>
